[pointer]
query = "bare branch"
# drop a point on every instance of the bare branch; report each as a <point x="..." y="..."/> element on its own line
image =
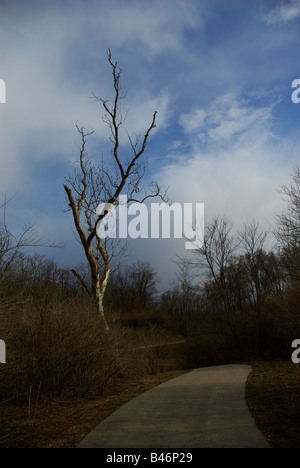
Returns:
<point x="95" y="184"/>
<point x="82" y="281"/>
<point x="156" y="193"/>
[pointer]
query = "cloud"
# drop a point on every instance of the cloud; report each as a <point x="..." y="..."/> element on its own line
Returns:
<point x="235" y="163"/>
<point x="45" y="69"/>
<point x="214" y="143"/>
<point x="226" y="118"/>
<point x="155" y="25"/>
<point x="140" y="112"/>
<point x="284" y="13"/>
<point x="241" y="183"/>
<point x="39" y="117"/>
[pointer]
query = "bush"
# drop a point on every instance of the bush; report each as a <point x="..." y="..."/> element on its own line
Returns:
<point x="58" y="348"/>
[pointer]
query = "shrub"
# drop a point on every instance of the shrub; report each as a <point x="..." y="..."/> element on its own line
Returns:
<point x="58" y="348"/>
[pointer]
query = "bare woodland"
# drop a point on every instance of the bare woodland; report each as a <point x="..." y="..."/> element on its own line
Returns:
<point x="79" y="331"/>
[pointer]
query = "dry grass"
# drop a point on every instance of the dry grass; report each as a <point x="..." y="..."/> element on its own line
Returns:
<point x="63" y="422"/>
<point x="64" y="374"/>
<point x="273" y="398"/>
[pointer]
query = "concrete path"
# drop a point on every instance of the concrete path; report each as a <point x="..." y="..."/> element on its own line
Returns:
<point x="205" y="408"/>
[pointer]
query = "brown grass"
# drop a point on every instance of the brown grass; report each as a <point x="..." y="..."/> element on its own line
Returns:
<point x="273" y="398"/>
<point x="63" y="422"/>
<point x="64" y="374"/>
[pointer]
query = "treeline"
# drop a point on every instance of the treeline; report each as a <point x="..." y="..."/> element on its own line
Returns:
<point x="238" y="297"/>
<point x="235" y="299"/>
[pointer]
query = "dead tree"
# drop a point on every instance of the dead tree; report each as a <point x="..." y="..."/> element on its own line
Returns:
<point x="288" y="229"/>
<point x="11" y="250"/>
<point x="215" y="256"/>
<point x="93" y="185"/>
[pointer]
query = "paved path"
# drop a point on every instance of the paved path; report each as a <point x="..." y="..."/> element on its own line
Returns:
<point x="205" y="408"/>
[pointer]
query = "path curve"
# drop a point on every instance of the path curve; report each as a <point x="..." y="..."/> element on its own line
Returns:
<point x="205" y="408"/>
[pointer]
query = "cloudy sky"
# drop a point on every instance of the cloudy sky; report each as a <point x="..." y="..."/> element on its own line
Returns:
<point x="219" y="73"/>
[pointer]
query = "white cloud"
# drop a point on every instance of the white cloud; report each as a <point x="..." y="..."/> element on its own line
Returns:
<point x="140" y="113"/>
<point x="241" y="183"/>
<point x="47" y="92"/>
<point x="236" y="163"/>
<point x="156" y="25"/>
<point x="284" y="13"/>
<point x="41" y="110"/>
<point x="223" y="154"/>
<point x="193" y="121"/>
<point x="227" y="117"/>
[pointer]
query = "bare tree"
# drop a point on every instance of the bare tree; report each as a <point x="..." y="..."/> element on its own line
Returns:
<point x="95" y="184"/>
<point x="144" y="280"/>
<point x="133" y="287"/>
<point x="12" y="256"/>
<point x="183" y="301"/>
<point x="253" y="244"/>
<point x="11" y="244"/>
<point x="256" y="262"/>
<point x="288" y="231"/>
<point x="216" y="256"/>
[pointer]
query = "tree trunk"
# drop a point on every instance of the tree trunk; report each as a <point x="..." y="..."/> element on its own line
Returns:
<point x="100" y="307"/>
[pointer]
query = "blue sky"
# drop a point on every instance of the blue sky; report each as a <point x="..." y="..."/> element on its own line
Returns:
<point x="218" y="72"/>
